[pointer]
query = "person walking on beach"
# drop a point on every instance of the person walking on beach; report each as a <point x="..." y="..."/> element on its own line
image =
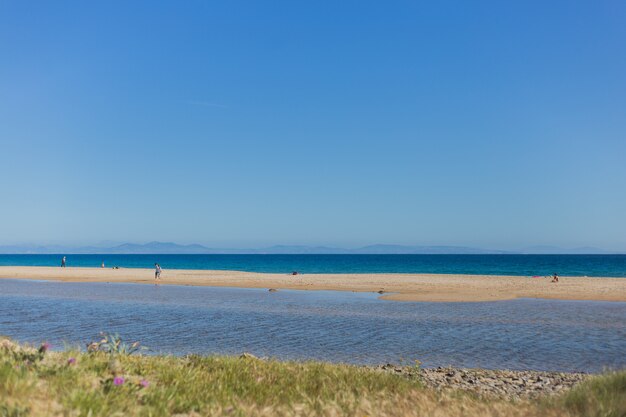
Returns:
<point x="157" y="271"/>
<point x="63" y="262"/>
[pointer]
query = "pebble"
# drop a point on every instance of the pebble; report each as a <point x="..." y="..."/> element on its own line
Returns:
<point x="491" y="383"/>
<point x="247" y="355"/>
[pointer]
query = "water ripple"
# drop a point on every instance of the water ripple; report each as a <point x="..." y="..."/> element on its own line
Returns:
<point x="341" y="327"/>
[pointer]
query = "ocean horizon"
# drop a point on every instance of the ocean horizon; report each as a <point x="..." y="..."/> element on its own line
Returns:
<point x="479" y="264"/>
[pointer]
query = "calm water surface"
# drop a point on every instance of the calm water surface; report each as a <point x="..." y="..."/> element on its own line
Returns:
<point x="333" y="326"/>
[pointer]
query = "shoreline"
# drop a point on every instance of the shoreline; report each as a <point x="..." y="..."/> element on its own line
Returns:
<point x="391" y="286"/>
<point x="111" y="382"/>
<point x="488" y="383"/>
<point x="492" y="382"/>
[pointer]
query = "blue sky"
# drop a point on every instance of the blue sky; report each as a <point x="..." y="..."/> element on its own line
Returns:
<point x="489" y="123"/>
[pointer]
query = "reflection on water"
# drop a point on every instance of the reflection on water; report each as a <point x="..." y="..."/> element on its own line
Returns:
<point x="333" y="326"/>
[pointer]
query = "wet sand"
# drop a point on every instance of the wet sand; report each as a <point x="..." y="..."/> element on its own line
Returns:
<point x="399" y="287"/>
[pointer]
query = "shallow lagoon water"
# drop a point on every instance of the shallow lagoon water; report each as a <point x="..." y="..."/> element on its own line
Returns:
<point x="332" y="326"/>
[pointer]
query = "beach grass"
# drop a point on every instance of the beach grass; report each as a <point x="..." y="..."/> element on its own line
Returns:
<point x="74" y="383"/>
<point x="603" y="396"/>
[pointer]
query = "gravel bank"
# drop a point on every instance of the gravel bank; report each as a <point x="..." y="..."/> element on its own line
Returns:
<point x="498" y="383"/>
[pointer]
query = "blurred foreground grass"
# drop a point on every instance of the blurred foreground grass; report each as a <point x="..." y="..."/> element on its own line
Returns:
<point x="72" y="383"/>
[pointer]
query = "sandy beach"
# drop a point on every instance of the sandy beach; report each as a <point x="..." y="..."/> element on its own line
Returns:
<point x="399" y="287"/>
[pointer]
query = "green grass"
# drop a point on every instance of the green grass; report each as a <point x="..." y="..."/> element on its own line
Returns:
<point x="199" y="386"/>
<point x="604" y="396"/>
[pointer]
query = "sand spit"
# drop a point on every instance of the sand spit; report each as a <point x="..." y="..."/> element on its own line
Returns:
<point x="399" y="287"/>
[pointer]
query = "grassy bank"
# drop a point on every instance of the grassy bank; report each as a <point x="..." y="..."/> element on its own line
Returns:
<point x="71" y="383"/>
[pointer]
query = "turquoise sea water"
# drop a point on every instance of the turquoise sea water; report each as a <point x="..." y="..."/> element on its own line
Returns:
<point x="523" y="265"/>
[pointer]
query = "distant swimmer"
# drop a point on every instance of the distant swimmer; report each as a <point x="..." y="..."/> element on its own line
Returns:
<point x="63" y="262"/>
<point x="157" y="271"/>
<point x="555" y="278"/>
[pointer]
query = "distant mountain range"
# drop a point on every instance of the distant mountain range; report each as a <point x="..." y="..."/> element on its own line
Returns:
<point x="174" y="248"/>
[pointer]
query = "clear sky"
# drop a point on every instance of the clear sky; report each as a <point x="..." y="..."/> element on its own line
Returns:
<point x="495" y="124"/>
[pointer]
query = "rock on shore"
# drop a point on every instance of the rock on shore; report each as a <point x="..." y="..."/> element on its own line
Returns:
<point x="493" y="383"/>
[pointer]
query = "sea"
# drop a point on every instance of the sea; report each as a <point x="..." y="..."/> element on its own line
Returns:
<point x="521" y="265"/>
<point x="345" y="327"/>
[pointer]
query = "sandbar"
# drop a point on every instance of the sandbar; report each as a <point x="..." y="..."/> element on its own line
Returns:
<point x="398" y="287"/>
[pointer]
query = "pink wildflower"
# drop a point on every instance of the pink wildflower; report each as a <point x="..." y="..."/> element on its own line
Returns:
<point x="118" y="380"/>
<point x="144" y="383"/>
<point x="71" y="361"/>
